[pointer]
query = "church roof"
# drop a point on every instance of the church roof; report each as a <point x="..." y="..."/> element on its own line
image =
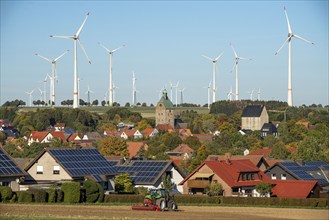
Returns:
<point x="165" y="100"/>
<point x="253" y="111"/>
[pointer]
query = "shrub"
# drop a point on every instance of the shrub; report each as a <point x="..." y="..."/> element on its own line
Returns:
<point x="101" y="193"/>
<point x="13" y="198"/>
<point x="24" y="197"/>
<point x="59" y="195"/>
<point x="5" y="193"/>
<point x="92" y="191"/>
<point x="123" y="183"/>
<point x="52" y="195"/>
<point x="264" y="188"/>
<point x="40" y="196"/>
<point x="71" y="192"/>
<point x="141" y="191"/>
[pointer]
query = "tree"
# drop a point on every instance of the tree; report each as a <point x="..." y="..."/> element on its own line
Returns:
<point x="113" y="146"/>
<point x="166" y="182"/>
<point x="3" y="138"/>
<point x="311" y="150"/>
<point x="95" y="102"/>
<point x="143" y="124"/>
<point x="193" y="142"/>
<point x="214" y="189"/>
<point x="127" y="104"/>
<point x="103" y="103"/>
<point x="263" y="188"/>
<point x="171" y="140"/>
<point x="279" y="151"/>
<point x="201" y="156"/>
<point x="123" y="183"/>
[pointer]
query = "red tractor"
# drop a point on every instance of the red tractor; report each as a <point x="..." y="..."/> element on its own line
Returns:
<point x="157" y="200"/>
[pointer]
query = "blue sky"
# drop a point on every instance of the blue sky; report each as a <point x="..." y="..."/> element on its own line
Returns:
<point x="164" y="42"/>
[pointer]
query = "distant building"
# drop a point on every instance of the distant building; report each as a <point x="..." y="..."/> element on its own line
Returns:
<point x="268" y="129"/>
<point x="164" y="111"/>
<point x="253" y="117"/>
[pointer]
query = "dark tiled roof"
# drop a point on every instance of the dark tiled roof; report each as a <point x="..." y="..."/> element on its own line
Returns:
<point x="269" y="127"/>
<point x="252" y="111"/>
<point x="7" y="165"/>
<point x="165" y="100"/>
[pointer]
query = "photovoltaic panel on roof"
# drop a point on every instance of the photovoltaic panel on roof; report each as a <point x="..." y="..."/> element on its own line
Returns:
<point x="7" y="166"/>
<point x="81" y="162"/>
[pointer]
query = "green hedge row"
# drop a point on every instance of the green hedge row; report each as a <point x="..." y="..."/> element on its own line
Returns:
<point x="248" y="201"/>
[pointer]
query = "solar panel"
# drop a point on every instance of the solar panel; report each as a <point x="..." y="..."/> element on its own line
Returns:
<point x="81" y="162"/>
<point x="7" y="166"/>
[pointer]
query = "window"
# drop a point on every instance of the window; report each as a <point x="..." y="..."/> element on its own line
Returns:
<point x="243" y="177"/>
<point x="273" y="176"/>
<point x="283" y="176"/>
<point x="56" y="170"/>
<point x="252" y="176"/>
<point x="39" y="169"/>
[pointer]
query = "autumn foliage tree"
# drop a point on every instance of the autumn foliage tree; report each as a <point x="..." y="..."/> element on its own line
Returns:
<point x="113" y="146"/>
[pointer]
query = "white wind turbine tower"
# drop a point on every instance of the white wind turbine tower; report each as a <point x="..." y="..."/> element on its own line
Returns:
<point x="230" y="94"/>
<point x="290" y="36"/>
<point x="88" y="95"/>
<point x="30" y="96"/>
<point x="251" y="94"/>
<point x="114" y="88"/>
<point x="171" y="86"/>
<point x="208" y="92"/>
<point x="79" y="79"/>
<point x="176" y="86"/>
<point x="134" y="89"/>
<point x="45" y="89"/>
<point x="181" y="95"/>
<point x="214" y="61"/>
<point x="258" y="94"/>
<point x="111" y="74"/>
<point x="53" y="74"/>
<point x="237" y="58"/>
<point x="76" y="39"/>
<point x="41" y="94"/>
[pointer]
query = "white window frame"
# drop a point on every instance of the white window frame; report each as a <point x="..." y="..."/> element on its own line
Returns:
<point x="283" y="176"/>
<point x="273" y="176"/>
<point x="56" y="170"/>
<point x="39" y="169"/>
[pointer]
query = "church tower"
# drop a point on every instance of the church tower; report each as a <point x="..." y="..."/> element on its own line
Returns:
<point x="164" y="111"/>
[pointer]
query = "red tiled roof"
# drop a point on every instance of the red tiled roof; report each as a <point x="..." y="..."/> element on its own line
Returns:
<point x="203" y="137"/>
<point x="183" y="148"/>
<point x="148" y="131"/>
<point x="112" y="133"/>
<point x="129" y="132"/>
<point x="59" y="134"/>
<point x="184" y="132"/>
<point x="265" y="152"/>
<point x="38" y="135"/>
<point x="255" y="159"/>
<point x="164" y="127"/>
<point x="134" y="147"/>
<point x="229" y="172"/>
<point x="293" y="188"/>
<point x="272" y="162"/>
<point x="72" y="137"/>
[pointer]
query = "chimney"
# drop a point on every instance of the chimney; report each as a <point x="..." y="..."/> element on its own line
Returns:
<point x="228" y="158"/>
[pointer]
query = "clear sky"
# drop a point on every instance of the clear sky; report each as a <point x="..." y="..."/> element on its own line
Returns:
<point x="165" y="41"/>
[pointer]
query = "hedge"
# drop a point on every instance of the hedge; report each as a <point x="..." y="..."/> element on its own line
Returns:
<point x="40" y="196"/>
<point x="92" y="191"/>
<point x="101" y="193"/>
<point x="71" y="192"/>
<point x="5" y="193"/>
<point x="24" y="197"/>
<point x="52" y="195"/>
<point x="203" y="199"/>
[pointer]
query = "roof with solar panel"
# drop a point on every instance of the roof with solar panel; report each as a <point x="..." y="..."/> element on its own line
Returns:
<point x="81" y="162"/>
<point x="144" y="171"/>
<point x="7" y="165"/>
<point x="314" y="170"/>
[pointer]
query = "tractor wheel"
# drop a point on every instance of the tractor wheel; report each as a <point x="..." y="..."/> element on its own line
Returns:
<point x="172" y="205"/>
<point x="162" y="204"/>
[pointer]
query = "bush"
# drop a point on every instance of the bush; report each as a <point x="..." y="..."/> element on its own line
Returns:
<point x="40" y="196"/>
<point x="52" y="195"/>
<point x="71" y="192"/>
<point x="5" y="193"/>
<point x="13" y="198"/>
<point x="59" y="195"/>
<point x="92" y="191"/>
<point x="24" y="197"/>
<point x="124" y="198"/>
<point x="101" y="193"/>
<point x="141" y="191"/>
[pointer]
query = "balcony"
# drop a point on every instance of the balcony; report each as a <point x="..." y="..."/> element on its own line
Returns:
<point x="197" y="183"/>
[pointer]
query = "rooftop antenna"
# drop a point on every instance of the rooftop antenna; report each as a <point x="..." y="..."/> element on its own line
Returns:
<point x="290" y="36"/>
<point x="76" y="39"/>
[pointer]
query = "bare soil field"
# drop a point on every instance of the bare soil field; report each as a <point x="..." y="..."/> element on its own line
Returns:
<point x="27" y="211"/>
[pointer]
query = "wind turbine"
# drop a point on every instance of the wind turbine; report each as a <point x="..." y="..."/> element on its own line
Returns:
<point x="208" y="92"/>
<point x="171" y="86"/>
<point x="88" y="94"/>
<point x="114" y="88"/>
<point x="290" y="36"/>
<point x="53" y="73"/>
<point x="176" y="86"/>
<point x="111" y="83"/>
<point x="229" y="94"/>
<point x="134" y="89"/>
<point x="214" y="61"/>
<point x="76" y="39"/>
<point x="258" y="94"/>
<point x="79" y="79"/>
<point x="41" y="94"/>
<point x="30" y="96"/>
<point x="251" y="94"/>
<point x="237" y="59"/>
<point x="181" y="95"/>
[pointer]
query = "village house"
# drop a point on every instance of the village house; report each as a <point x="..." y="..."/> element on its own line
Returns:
<point x="253" y="117"/>
<point x="135" y="148"/>
<point x="164" y="111"/>
<point x="268" y="129"/>
<point x="46" y="137"/>
<point x="10" y="173"/>
<point x="61" y="165"/>
<point x="150" y="132"/>
<point x="237" y="177"/>
<point x="131" y="134"/>
<point x="296" y="189"/>
<point x="180" y="153"/>
<point x="149" y="173"/>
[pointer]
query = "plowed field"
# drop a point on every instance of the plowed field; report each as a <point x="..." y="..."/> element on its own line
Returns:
<point x="22" y="211"/>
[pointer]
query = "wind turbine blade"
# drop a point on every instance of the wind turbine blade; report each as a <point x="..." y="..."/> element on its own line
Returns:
<point x="84" y="51"/>
<point x="289" y="28"/>
<point x="117" y="48"/>
<point x="104" y="47"/>
<point x="243" y="58"/>
<point x="234" y="51"/>
<point x="282" y="45"/>
<point x="207" y="58"/>
<point x="80" y="29"/>
<point x="66" y="37"/>
<point x="219" y="56"/>
<point x="45" y="58"/>
<point x="234" y="66"/>
<point x="299" y="37"/>
<point x="61" y="55"/>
